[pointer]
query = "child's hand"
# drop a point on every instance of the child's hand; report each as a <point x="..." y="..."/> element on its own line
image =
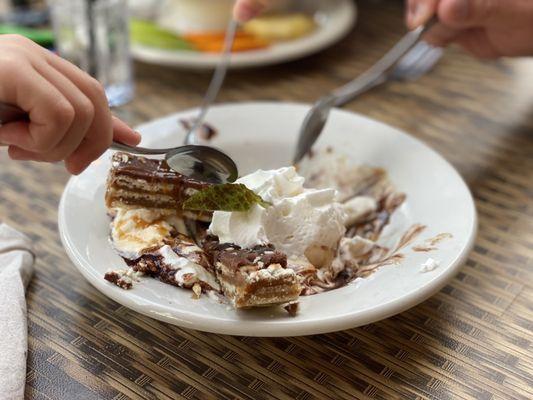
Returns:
<point x="69" y="117"/>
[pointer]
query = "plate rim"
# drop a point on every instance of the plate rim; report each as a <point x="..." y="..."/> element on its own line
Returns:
<point x="250" y="59"/>
<point x="302" y="328"/>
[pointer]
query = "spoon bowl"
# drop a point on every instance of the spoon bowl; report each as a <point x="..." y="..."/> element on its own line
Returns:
<point x="312" y="127"/>
<point x="203" y="163"/>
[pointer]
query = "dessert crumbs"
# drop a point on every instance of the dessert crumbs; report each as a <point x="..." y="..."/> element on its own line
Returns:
<point x="292" y="308"/>
<point x="197" y="291"/>
<point x="118" y="280"/>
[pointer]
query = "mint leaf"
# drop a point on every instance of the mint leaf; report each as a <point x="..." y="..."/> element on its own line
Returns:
<point x="226" y="197"/>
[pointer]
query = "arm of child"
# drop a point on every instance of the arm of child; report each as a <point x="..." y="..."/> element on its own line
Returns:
<point x="69" y="117"/>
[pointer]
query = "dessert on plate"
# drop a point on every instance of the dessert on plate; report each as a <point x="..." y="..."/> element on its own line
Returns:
<point x="200" y="25"/>
<point x="266" y="240"/>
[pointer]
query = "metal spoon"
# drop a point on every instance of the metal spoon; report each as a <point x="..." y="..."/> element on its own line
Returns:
<point x="316" y="118"/>
<point x="200" y="162"/>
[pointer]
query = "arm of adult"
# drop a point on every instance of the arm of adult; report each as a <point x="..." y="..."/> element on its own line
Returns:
<point x="485" y="28"/>
<point x="247" y="9"/>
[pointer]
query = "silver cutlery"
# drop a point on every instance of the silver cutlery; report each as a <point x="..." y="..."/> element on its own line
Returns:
<point x="409" y="59"/>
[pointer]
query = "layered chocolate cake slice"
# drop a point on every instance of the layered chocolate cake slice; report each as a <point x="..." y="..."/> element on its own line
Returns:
<point x="254" y="277"/>
<point x="144" y="199"/>
<point x="139" y="182"/>
<point x="151" y="244"/>
<point x="179" y="262"/>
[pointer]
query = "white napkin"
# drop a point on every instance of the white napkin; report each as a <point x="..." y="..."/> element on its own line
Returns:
<point x="16" y="268"/>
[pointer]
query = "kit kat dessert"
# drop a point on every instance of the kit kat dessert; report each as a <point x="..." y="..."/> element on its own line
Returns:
<point x="144" y="182"/>
<point x="253" y="277"/>
<point x="266" y="240"/>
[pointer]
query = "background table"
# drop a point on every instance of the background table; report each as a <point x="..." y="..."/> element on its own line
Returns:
<point x="471" y="340"/>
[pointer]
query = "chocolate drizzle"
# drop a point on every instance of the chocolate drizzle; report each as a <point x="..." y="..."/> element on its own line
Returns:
<point x="151" y="262"/>
<point x="393" y="256"/>
<point x="153" y="171"/>
<point x="431" y="244"/>
<point x="204" y="132"/>
<point x="234" y="257"/>
<point x="372" y="228"/>
<point x="246" y="272"/>
<point x="128" y="170"/>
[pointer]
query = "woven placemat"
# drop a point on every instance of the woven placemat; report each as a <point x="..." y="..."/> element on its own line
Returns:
<point x="472" y="340"/>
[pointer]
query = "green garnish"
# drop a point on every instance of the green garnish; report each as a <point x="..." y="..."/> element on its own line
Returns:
<point x="226" y="197"/>
<point x="44" y="37"/>
<point x="147" y="33"/>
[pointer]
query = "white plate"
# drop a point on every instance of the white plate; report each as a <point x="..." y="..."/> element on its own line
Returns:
<point x="335" y="18"/>
<point x="262" y="135"/>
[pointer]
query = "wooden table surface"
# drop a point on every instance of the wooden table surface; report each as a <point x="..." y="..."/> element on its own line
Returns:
<point x="471" y="340"/>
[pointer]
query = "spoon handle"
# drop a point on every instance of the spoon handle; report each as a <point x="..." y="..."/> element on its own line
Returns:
<point x="138" y="150"/>
<point x="216" y="81"/>
<point x="378" y="72"/>
<point x="316" y="118"/>
<point x="10" y="113"/>
<point x="214" y="88"/>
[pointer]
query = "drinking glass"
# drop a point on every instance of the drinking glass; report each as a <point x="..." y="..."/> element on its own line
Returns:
<point x="94" y="35"/>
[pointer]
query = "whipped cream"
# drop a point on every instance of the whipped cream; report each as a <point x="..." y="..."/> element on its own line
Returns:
<point x="133" y="230"/>
<point x="187" y="272"/>
<point x="429" y="265"/>
<point x="273" y="271"/>
<point x="358" y="209"/>
<point x="300" y="222"/>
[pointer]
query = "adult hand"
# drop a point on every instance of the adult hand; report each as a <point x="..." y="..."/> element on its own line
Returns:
<point x="69" y="117"/>
<point x="485" y="28"/>
<point x="247" y="9"/>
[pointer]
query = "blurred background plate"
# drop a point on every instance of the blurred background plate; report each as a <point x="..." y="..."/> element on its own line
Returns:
<point x="335" y="18"/>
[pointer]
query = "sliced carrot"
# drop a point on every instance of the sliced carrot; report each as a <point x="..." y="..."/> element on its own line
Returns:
<point x="211" y="36"/>
<point x="215" y="43"/>
<point x="238" y="46"/>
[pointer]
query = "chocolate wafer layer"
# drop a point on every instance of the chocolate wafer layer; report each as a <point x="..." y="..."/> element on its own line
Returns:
<point x="148" y="183"/>
<point x="253" y="277"/>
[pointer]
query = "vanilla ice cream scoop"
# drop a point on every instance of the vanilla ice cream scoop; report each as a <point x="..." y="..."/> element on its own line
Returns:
<point x="299" y="222"/>
<point x="134" y="230"/>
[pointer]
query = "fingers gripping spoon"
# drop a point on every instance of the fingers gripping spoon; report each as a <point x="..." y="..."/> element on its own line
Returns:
<point x="200" y="162"/>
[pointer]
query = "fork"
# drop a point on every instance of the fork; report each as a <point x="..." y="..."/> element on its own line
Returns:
<point x="409" y="59"/>
<point x="417" y="62"/>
